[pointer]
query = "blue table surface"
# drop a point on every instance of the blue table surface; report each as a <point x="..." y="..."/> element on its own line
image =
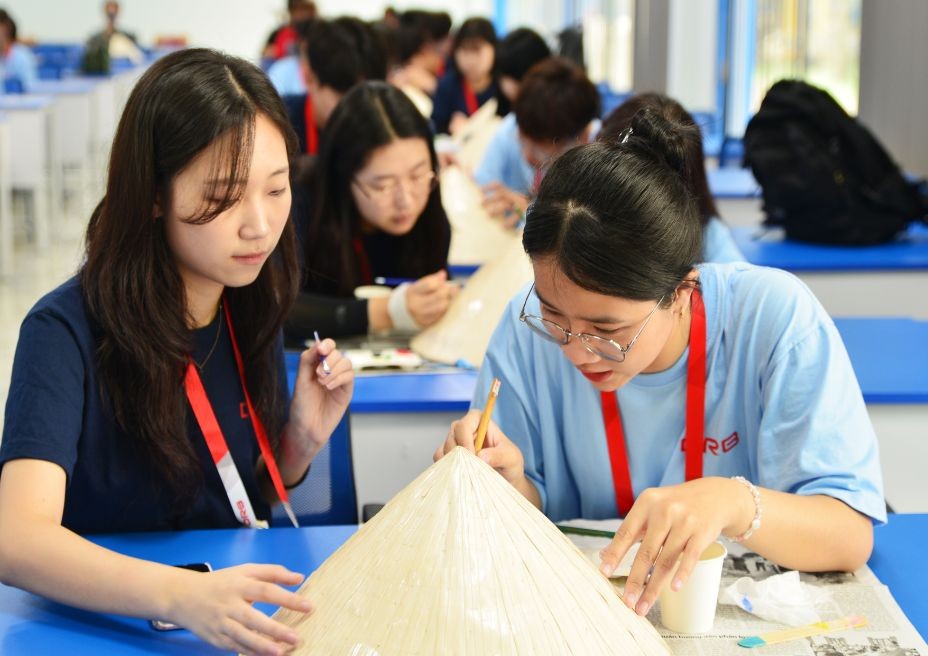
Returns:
<point x="31" y="625"/>
<point x="908" y="252"/>
<point x="884" y="351"/>
<point x="406" y="392"/>
<point x="732" y="182"/>
<point x="889" y="356"/>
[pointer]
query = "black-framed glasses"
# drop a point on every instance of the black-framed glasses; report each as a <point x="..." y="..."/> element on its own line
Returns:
<point x="384" y="191"/>
<point x="599" y="346"/>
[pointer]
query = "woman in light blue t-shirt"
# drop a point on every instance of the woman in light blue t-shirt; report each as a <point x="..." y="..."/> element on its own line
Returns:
<point x="694" y="400"/>
<point x="718" y="245"/>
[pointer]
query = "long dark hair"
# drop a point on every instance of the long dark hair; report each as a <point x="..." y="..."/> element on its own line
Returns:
<point x="134" y="293"/>
<point x="371" y="115"/>
<point x="694" y="169"/>
<point x="617" y="217"/>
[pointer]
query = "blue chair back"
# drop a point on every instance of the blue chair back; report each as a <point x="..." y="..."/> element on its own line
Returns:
<point x="13" y="85"/>
<point x="327" y="495"/>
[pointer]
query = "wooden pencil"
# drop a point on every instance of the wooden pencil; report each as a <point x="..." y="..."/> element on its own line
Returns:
<point x="485" y="417"/>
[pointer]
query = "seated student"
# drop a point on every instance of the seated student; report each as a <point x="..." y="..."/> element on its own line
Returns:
<point x="470" y="81"/>
<point x="692" y="400"/>
<point x="172" y="323"/>
<point x="377" y="212"/>
<point x="286" y="73"/>
<point x="717" y="241"/>
<point x="515" y="55"/>
<point x="284" y="40"/>
<point x="556" y="109"/>
<point x="361" y="56"/>
<point x="417" y="52"/>
<point x="112" y="42"/>
<point x="18" y="68"/>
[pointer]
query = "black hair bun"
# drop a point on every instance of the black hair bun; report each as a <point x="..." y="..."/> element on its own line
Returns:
<point x="668" y="139"/>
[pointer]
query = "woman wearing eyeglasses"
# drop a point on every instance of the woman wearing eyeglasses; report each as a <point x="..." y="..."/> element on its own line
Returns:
<point x="376" y="213"/>
<point x="691" y="400"/>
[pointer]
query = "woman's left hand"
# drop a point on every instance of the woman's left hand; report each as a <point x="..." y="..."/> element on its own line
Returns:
<point x="319" y="398"/>
<point x="675" y="524"/>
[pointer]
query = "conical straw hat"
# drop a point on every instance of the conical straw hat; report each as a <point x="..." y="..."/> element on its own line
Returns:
<point x="464" y="332"/>
<point x="475" y="236"/>
<point x="459" y="562"/>
<point x="472" y="140"/>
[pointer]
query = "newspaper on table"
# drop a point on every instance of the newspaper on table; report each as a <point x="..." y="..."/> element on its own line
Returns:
<point x="888" y="630"/>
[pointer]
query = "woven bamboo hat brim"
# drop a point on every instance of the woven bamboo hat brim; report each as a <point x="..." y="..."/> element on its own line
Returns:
<point x="464" y="332"/>
<point x="459" y="562"/>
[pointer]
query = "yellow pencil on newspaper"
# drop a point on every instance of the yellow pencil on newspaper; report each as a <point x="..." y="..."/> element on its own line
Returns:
<point x="852" y="622"/>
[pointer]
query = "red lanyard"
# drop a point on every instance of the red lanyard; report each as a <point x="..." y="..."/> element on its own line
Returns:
<point x="695" y="415"/>
<point x="367" y="276"/>
<point x="312" y="132"/>
<point x="470" y="98"/>
<point x="219" y="449"/>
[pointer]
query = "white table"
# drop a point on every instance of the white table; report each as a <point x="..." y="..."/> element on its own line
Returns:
<point x="33" y="153"/>
<point x="6" y="193"/>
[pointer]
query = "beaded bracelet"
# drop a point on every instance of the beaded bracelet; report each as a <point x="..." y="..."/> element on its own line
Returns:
<point x="758" y="510"/>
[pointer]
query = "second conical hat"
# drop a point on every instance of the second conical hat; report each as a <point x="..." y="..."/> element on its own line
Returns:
<point x="464" y="332"/>
<point x="459" y="562"/>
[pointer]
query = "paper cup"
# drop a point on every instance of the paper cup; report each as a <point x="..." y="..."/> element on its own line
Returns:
<point x="372" y="291"/>
<point x="692" y="609"/>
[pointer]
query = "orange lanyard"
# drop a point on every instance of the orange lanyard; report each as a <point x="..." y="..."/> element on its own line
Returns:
<point x="695" y="415"/>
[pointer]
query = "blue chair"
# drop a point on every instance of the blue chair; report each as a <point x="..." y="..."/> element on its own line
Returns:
<point x="13" y="85"/>
<point x="327" y="495"/>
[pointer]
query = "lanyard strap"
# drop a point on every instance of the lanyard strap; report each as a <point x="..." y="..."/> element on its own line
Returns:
<point x="312" y="132"/>
<point x="219" y="449"/>
<point x="695" y="415"/>
<point x="367" y="276"/>
<point x="470" y="98"/>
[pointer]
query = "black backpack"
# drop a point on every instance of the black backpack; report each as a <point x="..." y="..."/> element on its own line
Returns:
<point x="824" y="177"/>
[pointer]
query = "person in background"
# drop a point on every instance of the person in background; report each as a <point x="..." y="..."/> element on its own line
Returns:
<point x="111" y="43"/>
<point x="420" y="47"/>
<point x="470" y="81"/>
<point x="287" y="74"/>
<point x="718" y="243"/>
<point x="284" y="40"/>
<point x="362" y="56"/>
<point x="18" y="68"/>
<point x="521" y="49"/>
<point x="164" y="349"/>
<point x="377" y="212"/>
<point x="694" y="400"/>
<point x="557" y="108"/>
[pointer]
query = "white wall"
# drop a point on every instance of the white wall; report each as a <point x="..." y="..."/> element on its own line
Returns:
<point x="239" y="27"/>
<point x="893" y="93"/>
<point x="691" y="76"/>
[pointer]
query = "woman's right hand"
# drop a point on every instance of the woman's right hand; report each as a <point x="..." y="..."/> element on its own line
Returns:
<point x="217" y="606"/>
<point x="428" y="298"/>
<point x="498" y="450"/>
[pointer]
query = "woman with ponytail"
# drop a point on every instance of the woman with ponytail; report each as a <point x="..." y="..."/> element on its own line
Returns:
<point x="694" y="400"/>
<point x="718" y="245"/>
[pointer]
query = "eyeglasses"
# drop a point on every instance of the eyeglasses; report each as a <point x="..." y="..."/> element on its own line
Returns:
<point x="384" y="191"/>
<point x="599" y="346"/>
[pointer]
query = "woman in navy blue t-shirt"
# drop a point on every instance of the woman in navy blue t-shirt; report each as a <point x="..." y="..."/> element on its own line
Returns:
<point x="149" y="391"/>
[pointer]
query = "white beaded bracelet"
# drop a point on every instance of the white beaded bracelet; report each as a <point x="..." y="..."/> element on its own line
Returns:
<point x="758" y="510"/>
